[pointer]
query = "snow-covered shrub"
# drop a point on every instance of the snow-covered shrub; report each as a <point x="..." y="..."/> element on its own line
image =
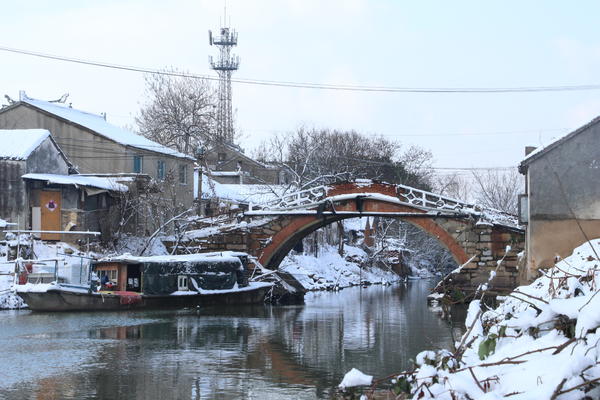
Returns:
<point x="541" y="342"/>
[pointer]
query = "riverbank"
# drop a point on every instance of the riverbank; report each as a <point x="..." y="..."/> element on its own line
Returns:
<point x="330" y="271"/>
<point x="542" y="342"/>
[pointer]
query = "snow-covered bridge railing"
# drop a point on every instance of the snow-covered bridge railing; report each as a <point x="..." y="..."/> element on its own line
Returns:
<point x="313" y="199"/>
<point x="313" y="196"/>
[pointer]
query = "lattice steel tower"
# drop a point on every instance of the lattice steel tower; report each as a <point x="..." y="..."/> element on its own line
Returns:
<point x="225" y="65"/>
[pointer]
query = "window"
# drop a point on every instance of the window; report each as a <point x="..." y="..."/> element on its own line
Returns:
<point x="182" y="283"/>
<point x="183" y="174"/>
<point x="222" y="156"/>
<point x="160" y="170"/>
<point x="138" y="164"/>
<point x="112" y="274"/>
<point x="523" y="209"/>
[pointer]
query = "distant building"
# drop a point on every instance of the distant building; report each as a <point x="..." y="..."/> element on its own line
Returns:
<point x="561" y="206"/>
<point x="37" y="193"/>
<point x="229" y="165"/>
<point x="96" y="147"/>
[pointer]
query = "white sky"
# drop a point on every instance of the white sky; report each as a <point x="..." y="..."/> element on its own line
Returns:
<point x="359" y="42"/>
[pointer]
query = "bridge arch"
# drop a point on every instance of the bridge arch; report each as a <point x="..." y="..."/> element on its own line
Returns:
<point x="293" y="228"/>
<point x="477" y="238"/>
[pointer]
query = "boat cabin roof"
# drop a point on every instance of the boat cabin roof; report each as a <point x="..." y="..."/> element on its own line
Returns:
<point x="224" y="256"/>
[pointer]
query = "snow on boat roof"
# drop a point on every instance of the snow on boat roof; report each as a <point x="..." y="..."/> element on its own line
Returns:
<point x="78" y="180"/>
<point x="98" y="124"/>
<point x="231" y="256"/>
<point x="18" y="144"/>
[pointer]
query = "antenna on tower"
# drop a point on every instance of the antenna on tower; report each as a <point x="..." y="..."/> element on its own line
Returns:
<point x="225" y="65"/>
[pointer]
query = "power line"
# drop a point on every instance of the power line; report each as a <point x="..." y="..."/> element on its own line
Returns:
<point x="309" y="85"/>
<point x="393" y="134"/>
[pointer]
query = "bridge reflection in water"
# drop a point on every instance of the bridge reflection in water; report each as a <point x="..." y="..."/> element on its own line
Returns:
<point x="251" y="352"/>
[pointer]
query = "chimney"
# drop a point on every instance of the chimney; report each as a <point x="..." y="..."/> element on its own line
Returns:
<point x="529" y="149"/>
<point x="22" y="95"/>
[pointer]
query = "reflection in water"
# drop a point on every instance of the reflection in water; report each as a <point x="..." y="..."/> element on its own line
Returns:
<point x="244" y="352"/>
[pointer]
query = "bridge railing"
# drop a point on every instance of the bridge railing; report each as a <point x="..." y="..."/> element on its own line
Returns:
<point x="425" y="199"/>
<point x="300" y="199"/>
<point x="406" y="194"/>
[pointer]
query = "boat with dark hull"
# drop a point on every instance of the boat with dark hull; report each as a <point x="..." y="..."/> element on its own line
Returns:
<point x="127" y="282"/>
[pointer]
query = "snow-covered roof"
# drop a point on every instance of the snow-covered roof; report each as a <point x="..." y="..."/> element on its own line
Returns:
<point x="230" y="256"/>
<point x="98" y="124"/>
<point x="18" y="144"/>
<point x="227" y="173"/>
<point x="79" y="180"/>
<point x="257" y="194"/>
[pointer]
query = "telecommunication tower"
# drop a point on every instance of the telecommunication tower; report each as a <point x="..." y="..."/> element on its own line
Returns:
<point x="225" y="65"/>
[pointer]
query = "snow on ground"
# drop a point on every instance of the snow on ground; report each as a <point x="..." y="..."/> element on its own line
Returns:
<point x="329" y="270"/>
<point x="8" y="299"/>
<point x="135" y="244"/>
<point x="542" y="342"/>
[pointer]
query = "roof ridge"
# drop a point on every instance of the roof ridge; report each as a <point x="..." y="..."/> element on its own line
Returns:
<point x="98" y="124"/>
<point x="60" y="105"/>
<point x="540" y="151"/>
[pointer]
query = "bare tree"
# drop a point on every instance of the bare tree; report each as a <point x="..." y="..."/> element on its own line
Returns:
<point x="147" y="210"/>
<point x="498" y="189"/>
<point x="454" y="185"/>
<point x="318" y="156"/>
<point x="179" y="112"/>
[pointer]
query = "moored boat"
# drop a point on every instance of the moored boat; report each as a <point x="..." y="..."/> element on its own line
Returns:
<point x="128" y="282"/>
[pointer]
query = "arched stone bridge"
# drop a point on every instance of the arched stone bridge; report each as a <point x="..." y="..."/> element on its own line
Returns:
<point x="476" y="237"/>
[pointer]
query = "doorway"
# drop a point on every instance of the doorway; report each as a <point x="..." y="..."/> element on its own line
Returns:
<point x="50" y="204"/>
<point x="134" y="278"/>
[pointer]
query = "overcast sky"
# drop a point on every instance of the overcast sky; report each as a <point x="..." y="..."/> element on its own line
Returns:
<point x="357" y="42"/>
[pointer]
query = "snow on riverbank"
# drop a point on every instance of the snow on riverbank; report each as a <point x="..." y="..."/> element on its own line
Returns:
<point x="329" y="270"/>
<point x="542" y="342"/>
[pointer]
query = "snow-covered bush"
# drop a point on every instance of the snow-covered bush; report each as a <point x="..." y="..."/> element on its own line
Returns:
<point x="542" y="342"/>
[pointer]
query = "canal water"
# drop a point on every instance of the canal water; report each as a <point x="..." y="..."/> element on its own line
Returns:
<point x="258" y="352"/>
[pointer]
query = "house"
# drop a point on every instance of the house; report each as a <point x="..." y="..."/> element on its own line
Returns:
<point x="229" y="165"/>
<point x="561" y="206"/>
<point x="230" y="198"/>
<point x="95" y="146"/>
<point x="37" y="193"/>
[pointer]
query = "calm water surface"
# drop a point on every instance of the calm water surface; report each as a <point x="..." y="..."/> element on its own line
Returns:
<point x="258" y="352"/>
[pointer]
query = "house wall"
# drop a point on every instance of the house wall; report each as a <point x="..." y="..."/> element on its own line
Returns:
<point x="14" y="204"/>
<point x="563" y="183"/>
<point x="78" y="210"/>
<point x="46" y="159"/>
<point x="94" y="154"/>
<point x="13" y="199"/>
